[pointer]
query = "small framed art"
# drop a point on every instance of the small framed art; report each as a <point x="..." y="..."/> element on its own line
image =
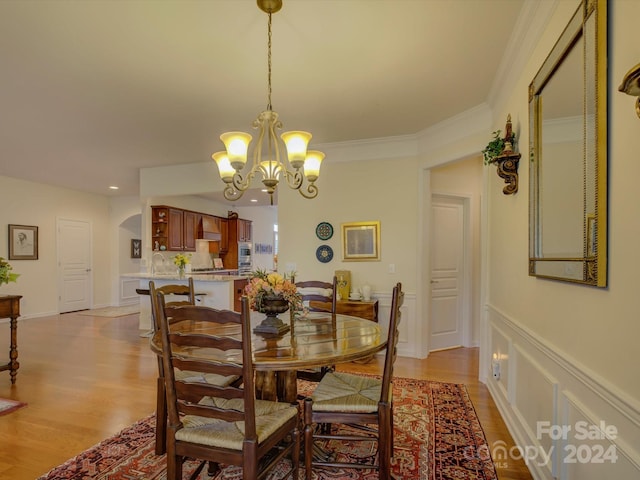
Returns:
<point x="23" y="242"/>
<point x="136" y="248"/>
<point x="361" y="241"/>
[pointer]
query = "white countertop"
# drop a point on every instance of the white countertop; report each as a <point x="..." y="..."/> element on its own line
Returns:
<point x="175" y="276"/>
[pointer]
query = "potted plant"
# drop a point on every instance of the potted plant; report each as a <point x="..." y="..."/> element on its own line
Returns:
<point x="6" y="275"/>
<point x="496" y="146"/>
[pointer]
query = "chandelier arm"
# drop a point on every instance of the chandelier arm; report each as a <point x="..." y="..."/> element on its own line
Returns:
<point x="312" y="191"/>
<point x="294" y="179"/>
<point x="231" y="193"/>
<point x="240" y="183"/>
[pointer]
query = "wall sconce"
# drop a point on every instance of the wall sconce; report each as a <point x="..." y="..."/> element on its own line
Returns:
<point x="500" y="152"/>
<point x="631" y="85"/>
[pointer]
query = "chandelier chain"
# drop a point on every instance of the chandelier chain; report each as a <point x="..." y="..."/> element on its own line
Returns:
<point x="269" y="64"/>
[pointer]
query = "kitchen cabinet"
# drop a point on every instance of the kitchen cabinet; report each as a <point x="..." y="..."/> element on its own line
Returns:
<point x="239" y="230"/>
<point x="224" y="236"/>
<point x="173" y="228"/>
<point x="244" y="230"/>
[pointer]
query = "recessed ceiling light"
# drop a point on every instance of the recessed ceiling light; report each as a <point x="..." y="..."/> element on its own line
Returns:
<point x="113" y="187"/>
<point x="254" y="200"/>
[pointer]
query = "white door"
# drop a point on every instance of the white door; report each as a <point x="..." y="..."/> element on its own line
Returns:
<point x="74" y="265"/>
<point x="447" y="274"/>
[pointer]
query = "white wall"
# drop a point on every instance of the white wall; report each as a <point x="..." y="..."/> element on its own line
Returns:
<point x="28" y="203"/>
<point x="568" y="352"/>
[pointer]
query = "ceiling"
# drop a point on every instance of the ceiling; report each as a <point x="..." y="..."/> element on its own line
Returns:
<point x="92" y="91"/>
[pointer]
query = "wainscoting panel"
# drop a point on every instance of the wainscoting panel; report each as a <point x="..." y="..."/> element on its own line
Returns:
<point x="500" y="348"/>
<point x="588" y="450"/>
<point x="531" y="376"/>
<point x="557" y="409"/>
<point x="128" y="293"/>
<point x="410" y="340"/>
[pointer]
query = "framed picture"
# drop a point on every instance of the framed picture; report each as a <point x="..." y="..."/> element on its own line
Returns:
<point x="361" y="241"/>
<point x="23" y="242"/>
<point x="136" y="248"/>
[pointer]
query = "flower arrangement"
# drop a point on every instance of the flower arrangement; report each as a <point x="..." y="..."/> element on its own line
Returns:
<point x="181" y="260"/>
<point x="263" y="284"/>
<point x="5" y="272"/>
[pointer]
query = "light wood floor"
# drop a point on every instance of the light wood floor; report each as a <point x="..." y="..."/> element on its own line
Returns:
<point x="86" y="378"/>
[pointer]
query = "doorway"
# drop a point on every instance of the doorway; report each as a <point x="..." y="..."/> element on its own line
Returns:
<point x="449" y="312"/>
<point x="75" y="276"/>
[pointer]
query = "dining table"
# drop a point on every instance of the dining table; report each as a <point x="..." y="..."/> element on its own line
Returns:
<point x="314" y="339"/>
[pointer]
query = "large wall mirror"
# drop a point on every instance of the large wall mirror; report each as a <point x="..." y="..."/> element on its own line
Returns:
<point x="568" y="153"/>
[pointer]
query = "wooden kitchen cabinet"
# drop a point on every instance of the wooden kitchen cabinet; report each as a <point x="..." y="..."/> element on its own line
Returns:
<point x="239" y="230"/>
<point x="244" y="230"/>
<point x="224" y="236"/>
<point x="174" y="228"/>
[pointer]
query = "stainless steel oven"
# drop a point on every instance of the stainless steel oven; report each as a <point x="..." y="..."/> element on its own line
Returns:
<point x="245" y="261"/>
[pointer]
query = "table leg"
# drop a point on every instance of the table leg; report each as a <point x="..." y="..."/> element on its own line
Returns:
<point x="288" y="386"/>
<point x="266" y="385"/>
<point x="13" y="351"/>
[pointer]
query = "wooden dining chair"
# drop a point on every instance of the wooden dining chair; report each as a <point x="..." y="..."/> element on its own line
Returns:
<point x="185" y="296"/>
<point x="318" y="296"/>
<point x="344" y="398"/>
<point x="215" y="423"/>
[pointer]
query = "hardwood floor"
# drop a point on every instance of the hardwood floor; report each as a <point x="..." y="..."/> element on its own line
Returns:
<point x="86" y="378"/>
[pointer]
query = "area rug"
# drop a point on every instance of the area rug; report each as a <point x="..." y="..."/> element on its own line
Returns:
<point x="437" y="435"/>
<point x="112" y="311"/>
<point x="8" y="406"/>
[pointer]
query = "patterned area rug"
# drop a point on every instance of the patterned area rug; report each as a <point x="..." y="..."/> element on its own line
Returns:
<point x="8" y="406"/>
<point x="437" y="436"/>
<point x="112" y="311"/>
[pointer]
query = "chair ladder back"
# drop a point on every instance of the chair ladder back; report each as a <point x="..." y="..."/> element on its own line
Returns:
<point x="397" y="300"/>
<point x="173" y="289"/>
<point x="318" y="302"/>
<point x="183" y="395"/>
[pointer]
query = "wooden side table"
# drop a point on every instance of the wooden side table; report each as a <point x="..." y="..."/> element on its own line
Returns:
<point x="10" y="308"/>
<point x="362" y="309"/>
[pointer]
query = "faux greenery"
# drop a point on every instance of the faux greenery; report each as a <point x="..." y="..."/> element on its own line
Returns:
<point x="495" y="147"/>
<point x="5" y="272"/>
<point x="264" y="284"/>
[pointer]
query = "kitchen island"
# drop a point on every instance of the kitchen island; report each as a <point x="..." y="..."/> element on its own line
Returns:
<point x="217" y="291"/>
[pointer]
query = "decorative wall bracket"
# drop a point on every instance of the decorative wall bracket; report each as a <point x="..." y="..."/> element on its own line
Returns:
<point x="507" y="162"/>
<point x="631" y="85"/>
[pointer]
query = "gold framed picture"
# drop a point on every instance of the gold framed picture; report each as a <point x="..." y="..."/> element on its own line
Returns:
<point x="23" y="242"/>
<point x="360" y="241"/>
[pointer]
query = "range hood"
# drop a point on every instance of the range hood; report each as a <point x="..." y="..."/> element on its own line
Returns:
<point x="208" y="230"/>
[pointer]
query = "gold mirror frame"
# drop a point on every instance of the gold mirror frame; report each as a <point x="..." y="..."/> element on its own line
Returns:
<point x="568" y="194"/>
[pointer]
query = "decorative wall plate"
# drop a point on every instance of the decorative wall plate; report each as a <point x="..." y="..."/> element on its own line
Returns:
<point x="324" y="231"/>
<point x="324" y="253"/>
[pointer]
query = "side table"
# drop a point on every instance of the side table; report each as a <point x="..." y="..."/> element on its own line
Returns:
<point x="359" y="308"/>
<point x="10" y="308"/>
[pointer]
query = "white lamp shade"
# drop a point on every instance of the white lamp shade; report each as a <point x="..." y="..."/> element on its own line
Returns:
<point x="224" y="166"/>
<point x="237" y="144"/>
<point x="296" y="142"/>
<point x="312" y="165"/>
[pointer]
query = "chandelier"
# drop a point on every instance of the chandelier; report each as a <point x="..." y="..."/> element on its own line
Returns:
<point x="268" y="160"/>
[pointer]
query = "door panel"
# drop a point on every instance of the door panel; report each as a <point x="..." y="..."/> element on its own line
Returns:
<point x="447" y="274"/>
<point x="74" y="265"/>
